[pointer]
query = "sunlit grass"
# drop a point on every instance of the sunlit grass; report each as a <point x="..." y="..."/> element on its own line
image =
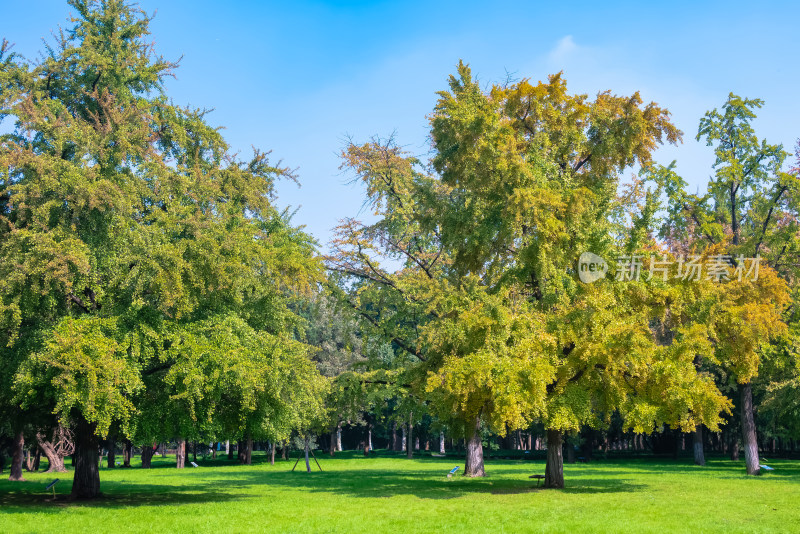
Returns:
<point x="387" y="493"/>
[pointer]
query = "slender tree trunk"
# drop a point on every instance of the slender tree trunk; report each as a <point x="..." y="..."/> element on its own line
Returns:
<point x="272" y="453"/>
<point x="369" y="438"/>
<point x="32" y="460"/>
<point x="147" y="456"/>
<point x="284" y="451"/>
<point x="554" y="469"/>
<point x="86" y="481"/>
<point x="305" y="446"/>
<point x="409" y="442"/>
<point x="473" y="465"/>
<point x="441" y="443"/>
<point x="339" y="437"/>
<point x="403" y="438"/>
<point x="180" y="456"/>
<point x="734" y="448"/>
<point x="699" y="457"/>
<point x="749" y="438"/>
<point x="228" y="448"/>
<point x="17" y="457"/>
<point x="332" y="444"/>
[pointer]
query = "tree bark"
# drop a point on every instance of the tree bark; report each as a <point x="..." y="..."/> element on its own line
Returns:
<point x="332" y="445"/>
<point x="147" y="456"/>
<point x="393" y="445"/>
<point x="17" y="457"/>
<point x="32" y="460"/>
<point x="441" y="443"/>
<point x="272" y="454"/>
<point x="246" y="453"/>
<point x="86" y="481"/>
<point x="749" y="439"/>
<point x="734" y="449"/>
<point x="699" y="457"/>
<point x="55" y="459"/>
<point x="180" y="456"/>
<point x="409" y="439"/>
<point x="473" y="464"/>
<point x="305" y="447"/>
<point x="127" y="453"/>
<point x="570" y="452"/>
<point x="554" y="469"/>
<point x="111" y="457"/>
<point x="369" y="438"/>
<point x="339" y="437"/>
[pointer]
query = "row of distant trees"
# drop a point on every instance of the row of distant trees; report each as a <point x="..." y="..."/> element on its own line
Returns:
<point x="151" y="291"/>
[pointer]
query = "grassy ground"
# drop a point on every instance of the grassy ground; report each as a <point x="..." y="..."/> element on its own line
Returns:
<point x="390" y="493"/>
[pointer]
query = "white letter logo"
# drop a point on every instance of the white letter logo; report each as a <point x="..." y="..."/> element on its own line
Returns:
<point x="591" y="267"/>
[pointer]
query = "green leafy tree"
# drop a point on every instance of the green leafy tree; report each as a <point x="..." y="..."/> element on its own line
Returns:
<point x="144" y="270"/>
<point x="749" y="209"/>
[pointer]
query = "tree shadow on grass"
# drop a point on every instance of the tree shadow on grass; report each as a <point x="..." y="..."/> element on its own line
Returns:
<point x="423" y="484"/>
<point x="243" y="482"/>
<point x="784" y="469"/>
<point x="114" y="496"/>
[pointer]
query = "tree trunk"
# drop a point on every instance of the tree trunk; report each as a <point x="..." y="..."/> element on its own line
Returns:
<point x="55" y="460"/>
<point x="699" y="457"/>
<point x="734" y="449"/>
<point x="339" y="438"/>
<point x="111" y="456"/>
<point x="441" y="443"/>
<point x="403" y="438"/>
<point x="305" y="447"/>
<point x="147" y="456"/>
<point x="180" y="456"/>
<point x="127" y="453"/>
<point x="369" y="439"/>
<point x="246" y="453"/>
<point x="272" y="454"/>
<point x="473" y="465"/>
<point x="393" y="445"/>
<point x="332" y="445"/>
<point x="749" y="439"/>
<point x="32" y="460"/>
<point x="409" y="442"/>
<point x="284" y="452"/>
<point x="554" y="469"/>
<point x="570" y="452"/>
<point x="86" y="482"/>
<point x="17" y="457"/>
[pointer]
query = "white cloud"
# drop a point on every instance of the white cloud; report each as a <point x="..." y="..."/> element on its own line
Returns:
<point x="565" y="48"/>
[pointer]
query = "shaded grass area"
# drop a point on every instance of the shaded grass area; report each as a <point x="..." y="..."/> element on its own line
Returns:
<point x="386" y="491"/>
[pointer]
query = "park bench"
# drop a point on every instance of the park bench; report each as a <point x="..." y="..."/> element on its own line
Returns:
<point x="538" y="479"/>
<point x="452" y="472"/>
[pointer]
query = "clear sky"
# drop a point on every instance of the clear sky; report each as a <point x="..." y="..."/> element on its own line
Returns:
<point x="300" y="77"/>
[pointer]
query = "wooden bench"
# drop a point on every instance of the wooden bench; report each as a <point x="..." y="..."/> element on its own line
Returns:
<point x="538" y="478"/>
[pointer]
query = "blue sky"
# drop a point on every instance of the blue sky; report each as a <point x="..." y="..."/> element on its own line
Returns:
<point x="300" y="77"/>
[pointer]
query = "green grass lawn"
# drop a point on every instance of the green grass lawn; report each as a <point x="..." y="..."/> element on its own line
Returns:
<point x="387" y="493"/>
